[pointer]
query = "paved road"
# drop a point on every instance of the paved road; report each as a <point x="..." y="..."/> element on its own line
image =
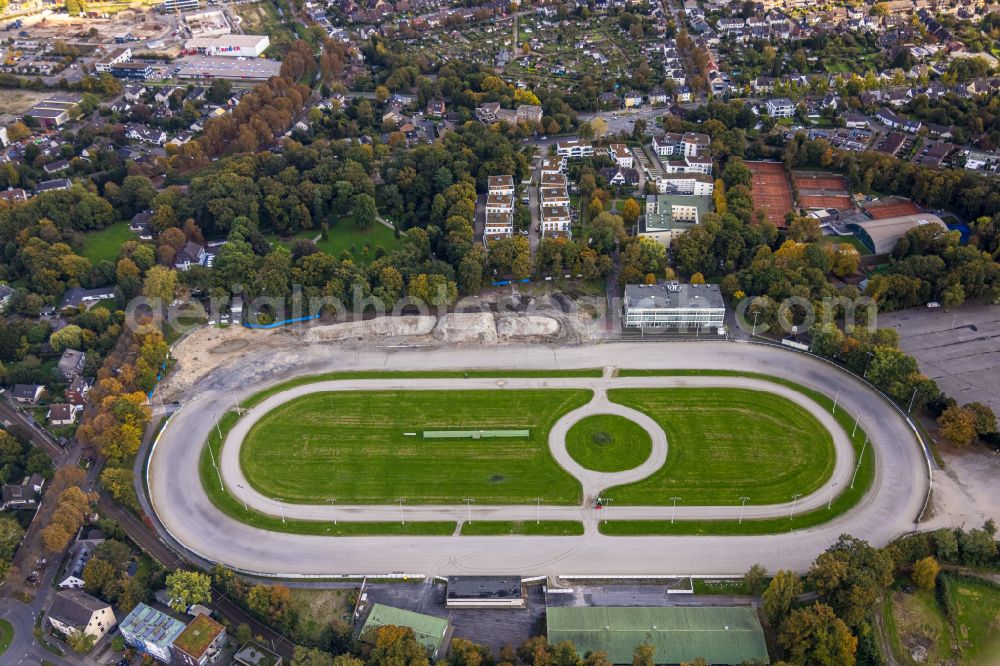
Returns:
<point x="889" y="510"/>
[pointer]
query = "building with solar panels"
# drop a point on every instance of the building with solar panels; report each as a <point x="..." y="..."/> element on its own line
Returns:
<point x="679" y="633"/>
<point x="151" y="632"/>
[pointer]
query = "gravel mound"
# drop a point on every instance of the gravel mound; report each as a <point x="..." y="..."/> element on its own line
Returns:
<point x="527" y="326"/>
<point x="460" y="327"/>
<point x="380" y="327"/>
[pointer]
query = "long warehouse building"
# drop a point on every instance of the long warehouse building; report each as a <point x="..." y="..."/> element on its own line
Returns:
<point x="232" y="46"/>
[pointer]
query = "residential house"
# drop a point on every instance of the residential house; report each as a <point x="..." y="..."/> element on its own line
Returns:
<point x="13" y="195"/>
<point x="574" y="148"/>
<point x="855" y="121"/>
<point x="436" y="107"/>
<point x="780" y="107"/>
<point x="151" y="632"/>
<point x="658" y="96"/>
<point x="895" y="121"/>
<point x="620" y="155"/>
<point x="145" y="134"/>
<point x="553" y="165"/>
<point x="27" y="393"/>
<point x="192" y="254"/>
<point x="53" y="185"/>
<point x="75" y="611"/>
<point x="78" y="296"/>
<point x="200" y="643"/>
<point x="620" y="176"/>
<point x="134" y="92"/>
<point x="80" y="554"/>
<point x="21" y="495"/>
<point x="633" y="98"/>
<point x="76" y="392"/>
<point x="253" y="654"/>
<point x="697" y="184"/>
<point x="71" y="363"/>
<point x="61" y="414"/>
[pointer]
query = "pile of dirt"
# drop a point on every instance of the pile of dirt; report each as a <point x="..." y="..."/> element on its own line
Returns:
<point x="528" y="326"/>
<point x="466" y="327"/>
<point x="383" y="327"/>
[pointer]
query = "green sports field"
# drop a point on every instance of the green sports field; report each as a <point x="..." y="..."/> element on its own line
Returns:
<point x="726" y="443"/>
<point x="608" y="443"/>
<point x="353" y="446"/>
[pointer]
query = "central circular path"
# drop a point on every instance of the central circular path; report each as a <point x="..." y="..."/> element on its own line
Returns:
<point x="593" y="481"/>
<point x="608" y="443"/>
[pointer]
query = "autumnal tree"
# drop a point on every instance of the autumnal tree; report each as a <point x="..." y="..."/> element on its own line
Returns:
<point x="598" y="126"/>
<point x="644" y="654"/>
<point x="365" y="211"/>
<point x="958" y="424"/>
<point x="985" y="419"/>
<point x="779" y="596"/>
<point x="17" y="131"/>
<point x="697" y="278"/>
<point x="160" y="283"/>
<point x="187" y="588"/>
<point x="850" y="576"/>
<point x="97" y="574"/>
<point x="398" y="646"/>
<point x="755" y="579"/>
<point x="630" y="212"/>
<point x="303" y="656"/>
<point x="815" y="636"/>
<point x="120" y="482"/>
<point x="925" y="572"/>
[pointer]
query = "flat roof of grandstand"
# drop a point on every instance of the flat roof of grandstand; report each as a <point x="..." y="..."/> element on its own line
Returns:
<point x="680" y="634"/>
<point x="427" y="629"/>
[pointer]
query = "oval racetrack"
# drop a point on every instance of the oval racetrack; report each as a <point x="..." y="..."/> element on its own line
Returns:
<point x="190" y="521"/>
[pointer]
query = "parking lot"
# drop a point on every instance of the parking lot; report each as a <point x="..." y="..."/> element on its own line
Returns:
<point x="959" y="349"/>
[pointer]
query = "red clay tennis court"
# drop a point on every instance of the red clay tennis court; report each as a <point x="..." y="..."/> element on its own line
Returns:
<point x="821" y="190"/>
<point x="880" y="210"/>
<point x="770" y="190"/>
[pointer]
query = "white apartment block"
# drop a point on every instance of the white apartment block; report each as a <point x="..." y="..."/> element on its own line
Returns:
<point x="574" y="148"/>
<point x="553" y="165"/>
<point x="689" y="165"/>
<point x="780" y="107"/>
<point x="697" y="184"/>
<point x="501" y="185"/>
<point x="689" y="144"/>
<point x="620" y="155"/>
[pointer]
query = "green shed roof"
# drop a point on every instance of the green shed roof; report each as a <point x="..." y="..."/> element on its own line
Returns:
<point x="428" y="630"/>
<point x="720" y="635"/>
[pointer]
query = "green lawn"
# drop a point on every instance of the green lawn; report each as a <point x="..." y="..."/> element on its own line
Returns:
<point x="849" y="240"/>
<point x="6" y="635"/>
<point x="976" y="606"/>
<point x="608" y="443"/>
<point x="527" y="528"/>
<point x="105" y="244"/>
<point x="915" y="618"/>
<point x="727" y="443"/>
<point x="345" y="235"/>
<point x="361" y="243"/>
<point x="353" y="446"/>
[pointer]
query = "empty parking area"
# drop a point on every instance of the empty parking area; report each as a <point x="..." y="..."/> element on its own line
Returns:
<point x="960" y="349"/>
<point x="770" y="190"/>
<point x="821" y="190"/>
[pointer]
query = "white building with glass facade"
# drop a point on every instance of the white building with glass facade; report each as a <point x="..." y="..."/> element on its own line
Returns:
<point x="670" y="305"/>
